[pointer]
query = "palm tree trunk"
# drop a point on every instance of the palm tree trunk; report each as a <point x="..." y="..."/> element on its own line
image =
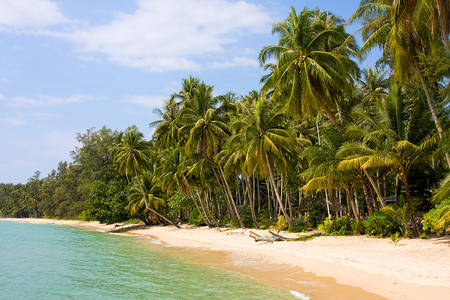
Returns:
<point x="430" y="102"/>
<point x="211" y="220"/>
<point x="280" y="202"/>
<point x="375" y="187"/>
<point x="225" y="194"/>
<point x="353" y="205"/>
<point x="330" y="115"/>
<point x="366" y="196"/>
<point x="200" y="211"/>
<point x="414" y="226"/>
<point x="251" y="200"/>
<point x="227" y="187"/>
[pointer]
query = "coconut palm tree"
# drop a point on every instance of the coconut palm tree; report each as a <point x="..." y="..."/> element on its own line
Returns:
<point x="268" y="143"/>
<point x="390" y="139"/>
<point x="156" y="197"/>
<point x="132" y="157"/>
<point x="403" y="31"/>
<point x="312" y="63"/>
<point x="167" y="130"/>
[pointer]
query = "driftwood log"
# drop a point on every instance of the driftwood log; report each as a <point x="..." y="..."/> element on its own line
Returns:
<point x="276" y="237"/>
<point x="124" y="228"/>
<point x="259" y="238"/>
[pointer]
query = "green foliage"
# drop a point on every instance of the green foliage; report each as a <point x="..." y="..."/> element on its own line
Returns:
<point x="298" y="225"/>
<point x="195" y="218"/>
<point x="107" y="202"/>
<point x="328" y="226"/>
<point x="438" y="218"/>
<point x="395" y="238"/>
<point x="340" y="227"/>
<point x="264" y="220"/>
<point x="282" y="223"/>
<point x="315" y="212"/>
<point x="379" y="224"/>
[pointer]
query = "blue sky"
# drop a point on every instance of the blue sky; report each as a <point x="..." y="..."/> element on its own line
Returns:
<point x="68" y="66"/>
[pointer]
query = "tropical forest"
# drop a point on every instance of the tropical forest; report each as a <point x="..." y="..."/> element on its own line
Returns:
<point x="323" y="144"/>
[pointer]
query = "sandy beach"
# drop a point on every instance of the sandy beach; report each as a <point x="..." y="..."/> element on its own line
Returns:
<point x="352" y="267"/>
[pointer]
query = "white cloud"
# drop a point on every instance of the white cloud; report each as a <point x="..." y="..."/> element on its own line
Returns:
<point x="172" y="35"/>
<point x="15" y="121"/>
<point x="145" y="100"/>
<point x="44" y="100"/>
<point x="29" y="13"/>
<point x="236" y="62"/>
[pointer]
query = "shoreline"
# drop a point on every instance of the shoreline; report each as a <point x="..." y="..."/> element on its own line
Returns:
<point x="415" y="269"/>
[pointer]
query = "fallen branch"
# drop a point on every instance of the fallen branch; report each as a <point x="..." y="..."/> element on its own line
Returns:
<point x="259" y="238"/>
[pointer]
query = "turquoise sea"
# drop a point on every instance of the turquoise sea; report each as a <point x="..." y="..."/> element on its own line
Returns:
<point x="40" y="261"/>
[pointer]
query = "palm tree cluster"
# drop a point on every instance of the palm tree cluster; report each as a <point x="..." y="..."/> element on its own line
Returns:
<point x="321" y="134"/>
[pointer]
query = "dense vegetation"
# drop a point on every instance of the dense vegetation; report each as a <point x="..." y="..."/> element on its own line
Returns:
<point x="322" y="139"/>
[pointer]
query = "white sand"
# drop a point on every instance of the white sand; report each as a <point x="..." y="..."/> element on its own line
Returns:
<point x="415" y="269"/>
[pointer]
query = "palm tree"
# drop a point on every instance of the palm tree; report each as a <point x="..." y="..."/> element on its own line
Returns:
<point x="132" y="157"/>
<point x="268" y="143"/>
<point x="400" y="29"/>
<point x="156" y="197"/>
<point x="312" y="63"/>
<point x="389" y="140"/>
<point x="167" y="130"/>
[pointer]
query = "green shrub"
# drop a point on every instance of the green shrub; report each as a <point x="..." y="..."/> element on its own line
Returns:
<point x="282" y="224"/>
<point x="343" y="226"/>
<point x="435" y="219"/>
<point x="380" y="225"/>
<point x="298" y="225"/>
<point x="195" y="218"/>
<point x="315" y="212"/>
<point x="328" y="226"/>
<point x="340" y="227"/>
<point x="264" y="220"/>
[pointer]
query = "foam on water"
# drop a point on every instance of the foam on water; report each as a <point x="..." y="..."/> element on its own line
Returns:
<point x="299" y="295"/>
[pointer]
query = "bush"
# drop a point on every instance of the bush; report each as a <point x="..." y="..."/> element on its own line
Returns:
<point x="264" y="220"/>
<point x="379" y="224"/>
<point x="282" y="224"/>
<point x="327" y="226"/>
<point x="343" y="226"/>
<point x="340" y="227"/>
<point x="298" y="225"/>
<point x="315" y="212"/>
<point x="195" y="218"/>
<point x="434" y="219"/>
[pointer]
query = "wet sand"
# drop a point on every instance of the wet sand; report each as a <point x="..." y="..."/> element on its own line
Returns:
<point x="322" y="268"/>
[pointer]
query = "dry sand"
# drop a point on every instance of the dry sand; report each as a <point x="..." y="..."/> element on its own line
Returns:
<point x="322" y="268"/>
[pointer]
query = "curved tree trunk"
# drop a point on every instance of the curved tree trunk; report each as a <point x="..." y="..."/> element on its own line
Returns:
<point x="231" y="199"/>
<point x="280" y="202"/>
<point x="375" y="187"/>
<point x="430" y="102"/>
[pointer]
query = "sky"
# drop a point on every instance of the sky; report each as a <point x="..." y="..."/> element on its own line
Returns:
<point x="68" y="66"/>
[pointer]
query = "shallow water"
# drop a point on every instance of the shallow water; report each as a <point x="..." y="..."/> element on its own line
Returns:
<point x="40" y="261"/>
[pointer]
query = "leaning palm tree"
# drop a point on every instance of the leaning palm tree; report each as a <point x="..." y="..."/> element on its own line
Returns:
<point x="132" y="157"/>
<point x="156" y="197"/>
<point x="313" y="63"/>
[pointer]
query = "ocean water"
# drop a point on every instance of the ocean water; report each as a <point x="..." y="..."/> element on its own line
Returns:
<point x="40" y="261"/>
